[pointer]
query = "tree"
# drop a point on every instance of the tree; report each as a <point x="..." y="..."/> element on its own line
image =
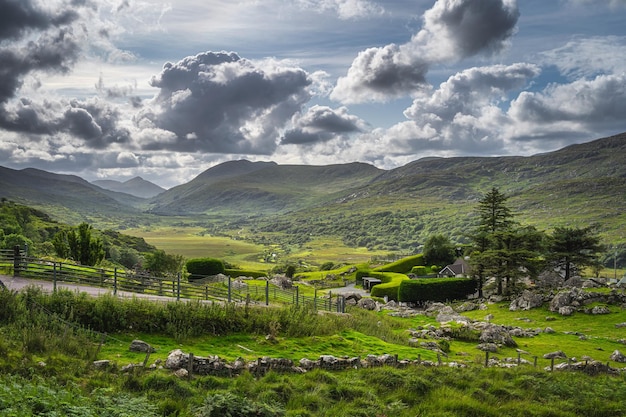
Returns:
<point x="493" y="212"/>
<point x="574" y="248"/>
<point x="489" y="253"/>
<point x="79" y="245"/>
<point x="438" y="250"/>
<point x="160" y="263"/>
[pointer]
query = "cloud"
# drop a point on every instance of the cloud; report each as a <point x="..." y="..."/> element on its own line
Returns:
<point x="219" y="102"/>
<point x="452" y="30"/>
<point x="321" y="124"/>
<point x="595" y="106"/>
<point x="345" y="9"/>
<point x="583" y="57"/>
<point x="464" y="112"/>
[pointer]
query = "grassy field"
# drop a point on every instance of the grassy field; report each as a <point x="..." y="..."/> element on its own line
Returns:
<point x="193" y="242"/>
<point x="47" y="352"/>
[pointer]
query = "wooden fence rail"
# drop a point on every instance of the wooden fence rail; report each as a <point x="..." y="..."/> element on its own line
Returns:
<point x="119" y="279"/>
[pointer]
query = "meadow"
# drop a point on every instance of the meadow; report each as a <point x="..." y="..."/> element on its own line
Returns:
<point x="49" y="342"/>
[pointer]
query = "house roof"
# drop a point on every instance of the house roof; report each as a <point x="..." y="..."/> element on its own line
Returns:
<point x="459" y="267"/>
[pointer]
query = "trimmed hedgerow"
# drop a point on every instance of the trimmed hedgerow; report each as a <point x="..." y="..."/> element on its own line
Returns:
<point x="435" y="289"/>
<point x="202" y="267"/>
<point x="403" y="265"/>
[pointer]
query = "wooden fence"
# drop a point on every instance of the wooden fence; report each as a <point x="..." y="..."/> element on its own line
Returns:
<point x="220" y="288"/>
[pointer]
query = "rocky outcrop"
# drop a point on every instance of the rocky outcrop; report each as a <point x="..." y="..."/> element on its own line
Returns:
<point x="528" y="300"/>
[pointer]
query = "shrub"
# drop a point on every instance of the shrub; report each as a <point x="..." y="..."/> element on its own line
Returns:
<point x="435" y="289"/>
<point x="419" y="270"/>
<point x="201" y="267"/>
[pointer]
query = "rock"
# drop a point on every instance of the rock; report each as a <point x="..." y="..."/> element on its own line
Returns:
<point x="468" y="306"/>
<point x="597" y="310"/>
<point x="176" y="359"/>
<point x="353" y="296"/>
<point x="559" y="354"/>
<point x="528" y="300"/>
<point x="367" y="304"/>
<point x="618" y="356"/>
<point x="101" y="364"/>
<point x="141" y="346"/>
<point x="488" y="347"/>
<point x="620" y="325"/>
<point x="181" y="373"/>
<point x="497" y="334"/>
<point x="549" y="330"/>
<point x="566" y="310"/>
<point x="561" y="300"/>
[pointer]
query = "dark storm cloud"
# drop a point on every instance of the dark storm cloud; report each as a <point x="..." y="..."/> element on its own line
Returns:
<point x="20" y="16"/>
<point x="452" y="30"/>
<point x="321" y="124"/>
<point x="220" y="102"/>
<point x="50" y="52"/>
<point x="469" y="27"/>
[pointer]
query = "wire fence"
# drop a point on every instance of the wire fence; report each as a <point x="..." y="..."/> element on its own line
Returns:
<point x="216" y="288"/>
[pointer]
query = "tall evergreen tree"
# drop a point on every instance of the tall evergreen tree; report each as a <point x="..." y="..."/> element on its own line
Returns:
<point x="574" y="247"/>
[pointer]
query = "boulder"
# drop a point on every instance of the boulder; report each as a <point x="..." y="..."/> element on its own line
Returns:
<point x="367" y="304"/>
<point x="560" y="300"/>
<point x="566" y="310"/>
<point x="141" y="346"/>
<point x="488" y="347"/>
<point x="618" y="356"/>
<point x="176" y="359"/>
<point x="559" y="354"/>
<point x="528" y="300"/>
<point x="497" y="334"/>
<point x="597" y="310"/>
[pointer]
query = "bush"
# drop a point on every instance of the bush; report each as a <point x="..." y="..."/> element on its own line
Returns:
<point x="202" y="267"/>
<point x="435" y="289"/>
<point x="419" y="270"/>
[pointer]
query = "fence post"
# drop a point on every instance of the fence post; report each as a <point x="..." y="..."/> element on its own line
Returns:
<point x="54" y="276"/>
<point x="315" y="299"/>
<point x="115" y="281"/>
<point x="486" y="359"/>
<point x="178" y="287"/>
<point x="190" y="366"/>
<point x="297" y="295"/>
<point x="230" y="289"/>
<point x="206" y="292"/>
<point x="17" y="260"/>
<point x="267" y="293"/>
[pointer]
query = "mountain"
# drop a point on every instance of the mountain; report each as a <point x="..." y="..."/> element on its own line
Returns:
<point x="66" y="196"/>
<point x="136" y="186"/>
<point x="396" y="209"/>
<point x="261" y="187"/>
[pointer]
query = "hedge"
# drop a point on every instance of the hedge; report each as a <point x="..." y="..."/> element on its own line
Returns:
<point x="435" y="289"/>
<point x="202" y="267"/>
<point x="390" y="282"/>
<point x="244" y="273"/>
<point x="403" y="265"/>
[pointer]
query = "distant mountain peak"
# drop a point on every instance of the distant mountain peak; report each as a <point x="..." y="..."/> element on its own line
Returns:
<point x="136" y="186"/>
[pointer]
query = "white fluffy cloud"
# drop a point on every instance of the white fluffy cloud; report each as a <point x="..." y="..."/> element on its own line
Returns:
<point x="219" y="102"/>
<point x="452" y="30"/>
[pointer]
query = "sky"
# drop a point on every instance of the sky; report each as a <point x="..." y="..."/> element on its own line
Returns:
<point x="114" y="89"/>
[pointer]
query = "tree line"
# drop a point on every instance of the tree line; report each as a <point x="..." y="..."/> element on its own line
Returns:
<point x="502" y="248"/>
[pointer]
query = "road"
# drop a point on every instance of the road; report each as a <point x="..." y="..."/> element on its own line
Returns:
<point x="19" y="283"/>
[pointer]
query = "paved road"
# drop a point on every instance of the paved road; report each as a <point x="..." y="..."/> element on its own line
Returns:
<point x="19" y="283"/>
